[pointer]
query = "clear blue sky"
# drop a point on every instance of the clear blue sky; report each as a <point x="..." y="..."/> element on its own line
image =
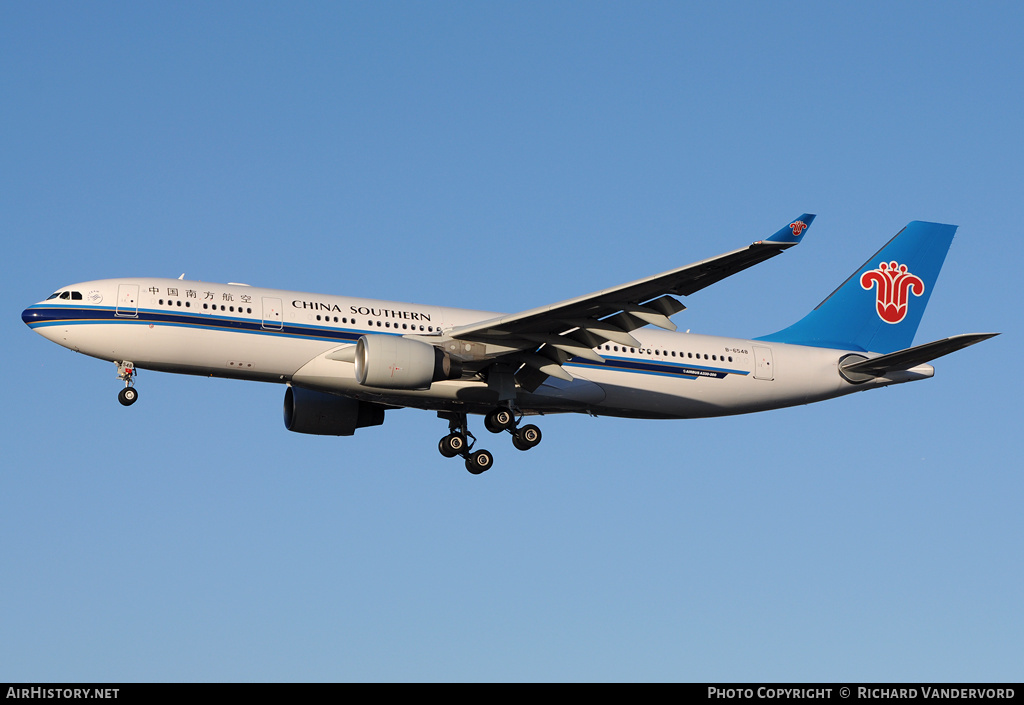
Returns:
<point x="503" y="156"/>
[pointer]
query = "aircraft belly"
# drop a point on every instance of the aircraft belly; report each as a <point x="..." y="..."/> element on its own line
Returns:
<point x="337" y="375"/>
<point x="193" y="350"/>
<point x="647" y="396"/>
<point x="557" y="392"/>
<point x="802" y="375"/>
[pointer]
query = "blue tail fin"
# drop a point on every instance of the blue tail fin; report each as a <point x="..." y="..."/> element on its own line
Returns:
<point x="880" y="306"/>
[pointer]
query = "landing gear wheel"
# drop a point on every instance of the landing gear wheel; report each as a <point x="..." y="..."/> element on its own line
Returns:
<point x="499" y="420"/>
<point x="479" y="462"/>
<point x="451" y="445"/>
<point x="128" y="396"/>
<point x="460" y="441"/>
<point x="527" y="437"/>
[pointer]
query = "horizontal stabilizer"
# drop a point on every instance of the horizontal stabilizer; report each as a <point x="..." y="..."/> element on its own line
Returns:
<point x="917" y="355"/>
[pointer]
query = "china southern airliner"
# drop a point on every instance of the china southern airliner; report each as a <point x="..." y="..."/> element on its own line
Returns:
<point x="345" y="361"/>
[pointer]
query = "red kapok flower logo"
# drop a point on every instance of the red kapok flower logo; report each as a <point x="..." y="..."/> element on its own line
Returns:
<point x="894" y="284"/>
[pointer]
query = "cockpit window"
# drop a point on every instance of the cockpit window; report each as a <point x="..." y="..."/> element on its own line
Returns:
<point x="53" y="295"/>
<point x="65" y="295"/>
<point x="76" y="296"/>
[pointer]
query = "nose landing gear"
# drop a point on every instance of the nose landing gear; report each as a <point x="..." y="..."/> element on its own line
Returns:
<point x="126" y="372"/>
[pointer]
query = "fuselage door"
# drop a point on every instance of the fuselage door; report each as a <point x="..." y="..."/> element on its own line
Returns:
<point x="127" y="300"/>
<point x="763" y="367"/>
<point x="273" y="313"/>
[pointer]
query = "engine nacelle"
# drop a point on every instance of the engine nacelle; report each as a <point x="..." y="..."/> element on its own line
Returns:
<point x="322" y="414"/>
<point x="393" y="362"/>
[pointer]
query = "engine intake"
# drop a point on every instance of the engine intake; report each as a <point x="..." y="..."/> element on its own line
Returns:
<point x="393" y="362"/>
<point x="322" y="414"/>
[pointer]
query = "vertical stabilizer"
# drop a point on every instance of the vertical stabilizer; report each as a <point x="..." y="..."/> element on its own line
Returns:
<point x="880" y="306"/>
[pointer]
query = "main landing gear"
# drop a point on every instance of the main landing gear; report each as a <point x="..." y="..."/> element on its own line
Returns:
<point x="460" y="441"/>
<point x="505" y="420"/>
<point x="126" y="372"/>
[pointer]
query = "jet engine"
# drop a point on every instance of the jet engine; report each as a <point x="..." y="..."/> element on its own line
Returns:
<point x="322" y="414"/>
<point x="393" y="362"/>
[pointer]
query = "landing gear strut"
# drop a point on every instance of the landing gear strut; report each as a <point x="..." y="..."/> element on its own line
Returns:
<point x="460" y="441"/>
<point x="126" y="372"/>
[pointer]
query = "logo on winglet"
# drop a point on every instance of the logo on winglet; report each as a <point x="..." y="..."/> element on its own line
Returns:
<point x="894" y="285"/>
<point x="798" y="228"/>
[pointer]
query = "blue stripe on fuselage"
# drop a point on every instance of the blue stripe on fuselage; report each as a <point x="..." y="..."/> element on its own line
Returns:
<point x="91" y="315"/>
<point x="669" y="369"/>
<point x="44" y="316"/>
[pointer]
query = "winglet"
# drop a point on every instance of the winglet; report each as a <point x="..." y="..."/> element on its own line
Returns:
<point x="793" y="233"/>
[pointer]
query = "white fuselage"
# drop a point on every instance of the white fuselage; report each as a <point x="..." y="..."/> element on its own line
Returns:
<point x="244" y="332"/>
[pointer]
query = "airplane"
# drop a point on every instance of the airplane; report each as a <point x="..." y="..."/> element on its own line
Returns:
<point x="346" y="361"/>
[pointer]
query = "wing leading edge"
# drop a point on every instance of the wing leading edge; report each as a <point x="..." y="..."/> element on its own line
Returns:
<point x="539" y="341"/>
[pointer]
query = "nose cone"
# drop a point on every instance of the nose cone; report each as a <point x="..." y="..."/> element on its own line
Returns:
<point x="30" y="316"/>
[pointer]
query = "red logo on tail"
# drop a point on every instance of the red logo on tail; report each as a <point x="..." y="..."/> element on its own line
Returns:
<point x="798" y="227"/>
<point x="894" y="286"/>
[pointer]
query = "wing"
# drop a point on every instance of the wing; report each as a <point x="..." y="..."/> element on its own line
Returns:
<point x="535" y="344"/>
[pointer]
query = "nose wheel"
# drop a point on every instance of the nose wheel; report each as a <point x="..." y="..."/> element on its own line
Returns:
<point x="126" y="372"/>
<point x="128" y="396"/>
